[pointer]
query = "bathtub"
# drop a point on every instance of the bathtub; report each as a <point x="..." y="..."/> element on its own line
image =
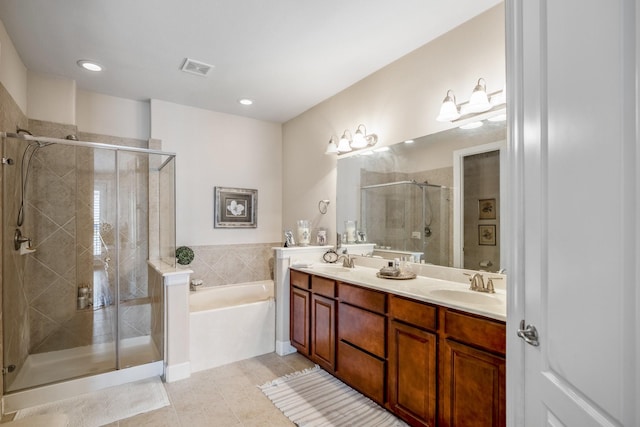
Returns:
<point x="231" y="323"/>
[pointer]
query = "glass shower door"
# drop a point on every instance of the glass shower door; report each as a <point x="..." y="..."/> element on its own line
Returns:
<point x="77" y="300"/>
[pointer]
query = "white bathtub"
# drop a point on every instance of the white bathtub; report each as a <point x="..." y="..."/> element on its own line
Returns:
<point x="230" y="323"/>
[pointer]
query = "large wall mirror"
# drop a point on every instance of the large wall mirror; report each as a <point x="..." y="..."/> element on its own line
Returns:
<point x="436" y="198"/>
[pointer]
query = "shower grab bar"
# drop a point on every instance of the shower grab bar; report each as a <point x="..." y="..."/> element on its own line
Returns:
<point x="88" y="144"/>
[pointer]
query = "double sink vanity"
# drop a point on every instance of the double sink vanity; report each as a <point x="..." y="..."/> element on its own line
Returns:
<point x="429" y="350"/>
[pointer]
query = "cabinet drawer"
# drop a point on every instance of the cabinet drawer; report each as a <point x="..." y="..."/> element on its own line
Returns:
<point x="365" y="298"/>
<point x="477" y="331"/>
<point x="299" y="279"/>
<point x="362" y="328"/>
<point x="413" y="312"/>
<point x="361" y="371"/>
<point x="323" y="286"/>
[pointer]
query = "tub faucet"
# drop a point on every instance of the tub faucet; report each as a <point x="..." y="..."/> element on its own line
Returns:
<point x="194" y="284"/>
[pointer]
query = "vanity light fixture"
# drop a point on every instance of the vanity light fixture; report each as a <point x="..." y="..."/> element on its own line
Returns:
<point x="89" y="65"/>
<point x="344" y="146"/>
<point x="449" y="109"/>
<point x="360" y="140"/>
<point x="481" y="106"/>
<point x="360" y="137"/>
<point x="332" y="148"/>
<point x="479" y="101"/>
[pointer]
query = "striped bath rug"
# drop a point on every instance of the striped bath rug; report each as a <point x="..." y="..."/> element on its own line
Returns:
<point x="315" y="398"/>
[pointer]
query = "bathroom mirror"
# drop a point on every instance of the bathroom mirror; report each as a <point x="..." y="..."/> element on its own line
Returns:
<point x="436" y="198"/>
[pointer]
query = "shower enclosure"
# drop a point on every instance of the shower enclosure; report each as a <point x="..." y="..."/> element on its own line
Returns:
<point x="408" y="216"/>
<point x="80" y="221"/>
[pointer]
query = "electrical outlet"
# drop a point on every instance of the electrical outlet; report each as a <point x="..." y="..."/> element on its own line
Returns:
<point x="416" y="235"/>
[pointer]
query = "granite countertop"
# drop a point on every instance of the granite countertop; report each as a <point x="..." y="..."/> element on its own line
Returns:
<point x="437" y="291"/>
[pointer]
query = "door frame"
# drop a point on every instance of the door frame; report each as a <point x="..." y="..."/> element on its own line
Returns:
<point x="458" y="199"/>
<point x="514" y="229"/>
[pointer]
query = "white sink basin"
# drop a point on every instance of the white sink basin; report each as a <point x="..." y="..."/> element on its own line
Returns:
<point x="467" y="297"/>
<point x="331" y="268"/>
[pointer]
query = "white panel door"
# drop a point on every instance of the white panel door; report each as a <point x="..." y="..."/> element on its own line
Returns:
<point x="574" y="232"/>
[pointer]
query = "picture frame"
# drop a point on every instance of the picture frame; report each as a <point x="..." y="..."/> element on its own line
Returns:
<point x="289" y="240"/>
<point x="487" y="235"/>
<point x="487" y="209"/>
<point x="235" y="208"/>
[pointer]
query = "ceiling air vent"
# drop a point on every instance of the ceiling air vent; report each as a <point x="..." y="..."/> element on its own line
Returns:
<point x="196" y="67"/>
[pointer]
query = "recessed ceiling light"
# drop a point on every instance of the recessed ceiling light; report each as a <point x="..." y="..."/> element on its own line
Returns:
<point x="245" y="101"/>
<point x="409" y="141"/>
<point x="89" y="65"/>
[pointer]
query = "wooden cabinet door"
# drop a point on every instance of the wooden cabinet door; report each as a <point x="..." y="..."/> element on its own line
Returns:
<point x="299" y="320"/>
<point x="412" y="374"/>
<point x="323" y="327"/>
<point x="472" y="391"/>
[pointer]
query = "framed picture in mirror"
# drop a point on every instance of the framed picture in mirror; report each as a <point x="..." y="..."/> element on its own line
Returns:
<point x="487" y="209"/>
<point x="487" y="235"/>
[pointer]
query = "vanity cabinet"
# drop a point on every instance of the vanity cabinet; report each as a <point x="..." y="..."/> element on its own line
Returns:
<point x="312" y="321"/>
<point x="472" y="369"/>
<point x="428" y="364"/>
<point x="362" y="339"/>
<point x="412" y="373"/>
<point x="299" y="312"/>
<point x="323" y="322"/>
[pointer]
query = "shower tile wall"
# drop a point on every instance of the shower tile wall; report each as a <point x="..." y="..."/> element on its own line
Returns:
<point x="11" y="118"/>
<point x="229" y="264"/>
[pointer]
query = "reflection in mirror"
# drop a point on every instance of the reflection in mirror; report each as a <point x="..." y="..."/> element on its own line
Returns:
<point x="403" y="199"/>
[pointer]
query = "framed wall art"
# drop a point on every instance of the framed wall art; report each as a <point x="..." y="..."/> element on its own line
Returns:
<point x="235" y="208"/>
<point x="487" y="209"/>
<point x="487" y="235"/>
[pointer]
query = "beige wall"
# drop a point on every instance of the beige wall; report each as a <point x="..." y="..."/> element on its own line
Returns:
<point x="13" y="73"/>
<point x="110" y="115"/>
<point x="398" y="102"/>
<point x="216" y="149"/>
<point x="51" y="98"/>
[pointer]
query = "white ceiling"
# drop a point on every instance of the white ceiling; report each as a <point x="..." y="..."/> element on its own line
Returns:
<point x="287" y="55"/>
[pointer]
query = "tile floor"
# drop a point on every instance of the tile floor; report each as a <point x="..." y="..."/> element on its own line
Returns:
<point x="224" y="396"/>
